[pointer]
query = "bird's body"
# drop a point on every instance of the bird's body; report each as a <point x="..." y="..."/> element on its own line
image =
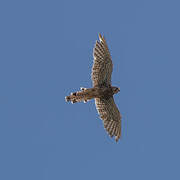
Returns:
<point x="92" y="93"/>
<point x="102" y="91"/>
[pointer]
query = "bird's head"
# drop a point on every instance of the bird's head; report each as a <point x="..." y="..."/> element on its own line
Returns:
<point x="115" y="90"/>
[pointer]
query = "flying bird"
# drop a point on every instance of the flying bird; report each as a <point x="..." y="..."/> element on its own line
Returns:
<point x="102" y="91"/>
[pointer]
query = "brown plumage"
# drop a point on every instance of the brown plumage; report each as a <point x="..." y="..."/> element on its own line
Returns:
<point x="102" y="90"/>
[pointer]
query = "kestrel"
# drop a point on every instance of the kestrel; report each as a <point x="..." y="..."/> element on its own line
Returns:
<point x="102" y="91"/>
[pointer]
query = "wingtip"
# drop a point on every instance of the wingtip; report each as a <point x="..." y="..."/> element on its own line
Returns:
<point x="118" y="135"/>
<point x="100" y="37"/>
<point x="117" y="138"/>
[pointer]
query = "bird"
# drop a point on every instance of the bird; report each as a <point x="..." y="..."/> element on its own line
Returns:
<point x="102" y="90"/>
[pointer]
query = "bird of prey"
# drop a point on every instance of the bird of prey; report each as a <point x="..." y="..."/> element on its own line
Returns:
<point x="102" y="91"/>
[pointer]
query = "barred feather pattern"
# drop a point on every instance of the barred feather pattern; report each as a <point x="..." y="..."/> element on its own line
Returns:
<point x="102" y="67"/>
<point x="110" y="115"/>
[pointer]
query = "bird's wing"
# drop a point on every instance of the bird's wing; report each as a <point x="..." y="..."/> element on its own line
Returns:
<point x="110" y="115"/>
<point x="102" y="67"/>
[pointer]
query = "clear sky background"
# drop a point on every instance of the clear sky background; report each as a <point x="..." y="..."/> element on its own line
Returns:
<point x="46" y="53"/>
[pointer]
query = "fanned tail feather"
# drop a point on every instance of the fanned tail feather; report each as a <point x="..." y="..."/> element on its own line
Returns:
<point x="75" y="97"/>
<point x="79" y="96"/>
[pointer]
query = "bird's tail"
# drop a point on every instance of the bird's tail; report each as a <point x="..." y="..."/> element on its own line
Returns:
<point x="78" y="96"/>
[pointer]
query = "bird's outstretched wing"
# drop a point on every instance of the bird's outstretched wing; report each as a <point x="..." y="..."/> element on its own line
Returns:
<point x="102" y="67"/>
<point x="110" y="114"/>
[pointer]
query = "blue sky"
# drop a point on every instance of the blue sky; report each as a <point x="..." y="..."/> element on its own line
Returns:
<point x="46" y="53"/>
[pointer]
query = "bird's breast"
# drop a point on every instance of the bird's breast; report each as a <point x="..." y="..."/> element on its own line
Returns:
<point x="105" y="92"/>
